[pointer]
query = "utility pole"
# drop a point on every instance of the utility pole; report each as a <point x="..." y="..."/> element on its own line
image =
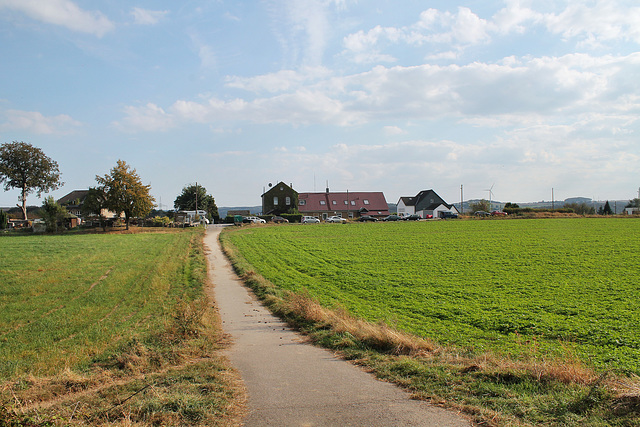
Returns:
<point x="196" y="198"/>
<point x="461" y="201"/>
<point x="553" y="203"/>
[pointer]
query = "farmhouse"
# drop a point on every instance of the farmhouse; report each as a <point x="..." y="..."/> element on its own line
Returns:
<point x="425" y="203"/>
<point x="74" y="202"/>
<point x="344" y="204"/>
<point x="279" y="199"/>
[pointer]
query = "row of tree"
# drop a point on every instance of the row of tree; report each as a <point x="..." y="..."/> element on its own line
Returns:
<point x="121" y="191"/>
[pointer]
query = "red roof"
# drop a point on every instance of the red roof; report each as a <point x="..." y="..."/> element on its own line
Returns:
<point x="373" y="202"/>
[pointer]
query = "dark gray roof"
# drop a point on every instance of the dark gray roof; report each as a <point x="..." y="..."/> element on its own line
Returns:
<point x="72" y="197"/>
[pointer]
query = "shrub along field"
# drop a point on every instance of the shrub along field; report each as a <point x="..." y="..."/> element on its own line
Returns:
<point x="552" y="289"/>
<point x="89" y="320"/>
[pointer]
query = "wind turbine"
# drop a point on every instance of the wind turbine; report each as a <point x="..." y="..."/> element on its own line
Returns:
<point x="490" y="190"/>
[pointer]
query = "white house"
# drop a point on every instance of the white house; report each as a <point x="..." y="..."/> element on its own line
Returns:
<point x="425" y="203"/>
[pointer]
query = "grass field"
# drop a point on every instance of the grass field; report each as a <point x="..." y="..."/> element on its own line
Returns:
<point x="560" y="294"/>
<point x="108" y="315"/>
<point x="507" y="286"/>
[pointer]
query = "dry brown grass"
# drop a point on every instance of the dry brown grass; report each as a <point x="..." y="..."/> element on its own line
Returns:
<point x="385" y="338"/>
<point x="379" y="336"/>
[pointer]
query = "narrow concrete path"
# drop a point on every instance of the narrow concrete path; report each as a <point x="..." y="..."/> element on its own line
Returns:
<point x="290" y="383"/>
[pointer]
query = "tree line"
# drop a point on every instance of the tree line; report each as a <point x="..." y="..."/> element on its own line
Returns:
<point x="121" y="191"/>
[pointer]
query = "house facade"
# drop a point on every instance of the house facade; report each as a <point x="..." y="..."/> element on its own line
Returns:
<point x="279" y="199"/>
<point x="425" y="203"/>
<point x="344" y="204"/>
<point x="74" y="201"/>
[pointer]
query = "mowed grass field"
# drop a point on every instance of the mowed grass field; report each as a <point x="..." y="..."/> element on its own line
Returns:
<point x="88" y="321"/>
<point x="552" y="288"/>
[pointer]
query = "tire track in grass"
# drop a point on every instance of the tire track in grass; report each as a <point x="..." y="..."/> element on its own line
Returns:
<point x="60" y="307"/>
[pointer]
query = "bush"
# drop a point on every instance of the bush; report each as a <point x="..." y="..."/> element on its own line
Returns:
<point x="292" y="217"/>
<point x="52" y="213"/>
<point x="159" y="221"/>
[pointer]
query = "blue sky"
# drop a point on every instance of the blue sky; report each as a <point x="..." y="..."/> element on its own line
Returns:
<point x="367" y="95"/>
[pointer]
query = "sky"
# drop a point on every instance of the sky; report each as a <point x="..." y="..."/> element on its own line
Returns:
<point x="527" y="98"/>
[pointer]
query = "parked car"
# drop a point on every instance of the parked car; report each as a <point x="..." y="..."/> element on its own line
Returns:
<point x="310" y="220"/>
<point x="482" y="213"/>
<point x="279" y="220"/>
<point x="498" y="213"/>
<point x="336" y="218"/>
<point x="392" y="218"/>
<point x="414" y="217"/>
<point x="365" y="218"/>
<point x="448" y="215"/>
<point x="254" y="219"/>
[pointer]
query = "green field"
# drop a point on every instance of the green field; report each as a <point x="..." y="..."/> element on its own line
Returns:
<point x="90" y="320"/>
<point x="67" y="299"/>
<point x="553" y="287"/>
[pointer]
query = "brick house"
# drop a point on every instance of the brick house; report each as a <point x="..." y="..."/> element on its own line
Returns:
<point x="279" y="199"/>
<point x="344" y="204"/>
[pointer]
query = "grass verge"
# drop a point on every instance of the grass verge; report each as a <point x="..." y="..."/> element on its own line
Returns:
<point x="492" y="389"/>
<point x="163" y="368"/>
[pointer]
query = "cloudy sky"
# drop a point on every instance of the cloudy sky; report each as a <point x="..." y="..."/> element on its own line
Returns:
<point x="369" y="95"/>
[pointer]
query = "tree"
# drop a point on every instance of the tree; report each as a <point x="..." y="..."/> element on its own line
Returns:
<point x="125" y="193"/>
<point x="186" y="201"/>
<point x="26" y="167"/>
<point x="95" y="202"/>
<point x="480" y="205"/>
<point x="607" y="209"/>
<point x="635" y="203"/>
<point x="52" y="213"/>
<point x="4" y="218"/>
<point x="580" y="208"/>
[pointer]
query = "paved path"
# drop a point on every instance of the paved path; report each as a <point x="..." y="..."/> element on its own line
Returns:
<point x="290" y="383"/>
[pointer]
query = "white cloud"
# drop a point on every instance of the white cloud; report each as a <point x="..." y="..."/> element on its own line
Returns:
<point x="589" y="22"/>
<point x="148" y="118"/>
<point x="280" y="81"/>
<point x="302" y="107"/>
<point x="64" y="13"/>
<point x="35" y="122"/>
<point x="516" y="90"/>
<point x="393" y="130"/>
<point x="302" y="29"/>
<point x="459" y="29"/>
<point x="597" y="20"/>
<point x="514" y="17"/>
<point x="148" y="17"/>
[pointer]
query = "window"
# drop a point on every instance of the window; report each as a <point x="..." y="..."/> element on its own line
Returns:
<point x="346" y="203"/>
<point x="302" y="202"/>
<point x="322" y="202"/>
<point x="353" y="203"/>
<point x="333" y="202"/>
<point x="275" y="201"/>
<point x="288" y="201"/>
<point x="366" y="201"/>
